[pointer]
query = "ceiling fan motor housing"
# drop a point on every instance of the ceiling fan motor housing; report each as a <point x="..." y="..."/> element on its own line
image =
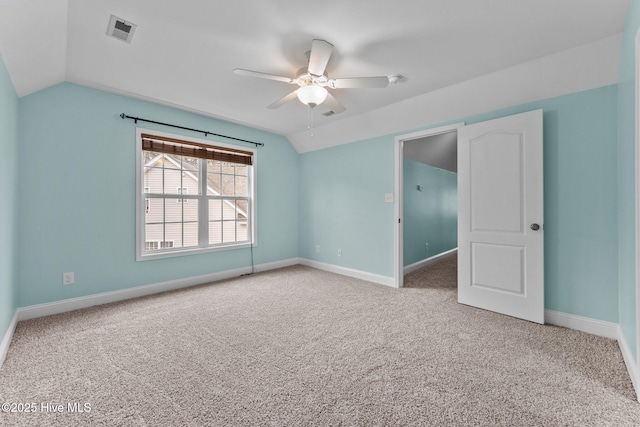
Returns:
<point x="304" y="78"/>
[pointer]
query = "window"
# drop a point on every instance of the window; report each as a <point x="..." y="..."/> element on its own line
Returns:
<point x="193" y="196"/>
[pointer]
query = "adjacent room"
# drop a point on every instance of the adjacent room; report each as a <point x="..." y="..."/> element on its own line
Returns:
<point x="429" y="200"/>
<point x="345" y="213"/>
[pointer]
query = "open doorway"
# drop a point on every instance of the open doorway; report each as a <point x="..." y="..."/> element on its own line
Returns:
<point x="430" y="208"/>
<point x="426" y="203"/>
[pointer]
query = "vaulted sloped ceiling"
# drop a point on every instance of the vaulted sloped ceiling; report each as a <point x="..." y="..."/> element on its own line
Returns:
<point x="183" y="52"/>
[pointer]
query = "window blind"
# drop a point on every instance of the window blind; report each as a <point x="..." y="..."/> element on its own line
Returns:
<point x="160" y="144"/>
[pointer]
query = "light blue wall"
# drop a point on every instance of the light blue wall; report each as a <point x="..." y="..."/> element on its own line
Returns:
<point x="580" y="167"/>
<point x="342" y="205"/>
<point x="77" y="195"/>
<point x="627" y="189"/>
<point x="430" y="215"/>
<point x="8" y="198"/>
<point x="342" y="200"/>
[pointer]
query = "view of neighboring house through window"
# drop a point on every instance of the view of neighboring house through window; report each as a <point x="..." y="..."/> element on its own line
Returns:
<point x="195" y="196"/>
<point x="228" y="212"/>
<point x="183" y="190"/>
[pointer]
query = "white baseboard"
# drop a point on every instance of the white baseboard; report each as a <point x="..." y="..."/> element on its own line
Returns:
<point x="603" y="329"/>
<point x="63" y="306"/>
<point x="627" y="355"/>
<point x="6" y="340"/>
<point x="274" y="265"/>
<point x="358" y="274"/>
<point x="418" y="265"/>
<point x="584" y="324"/>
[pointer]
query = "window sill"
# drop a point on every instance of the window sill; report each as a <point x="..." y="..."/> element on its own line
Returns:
<point x="191" y="251"/>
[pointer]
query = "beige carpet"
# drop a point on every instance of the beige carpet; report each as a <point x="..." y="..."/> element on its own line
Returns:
<point x="442" y="274"/>
<point x="298" y="347"/>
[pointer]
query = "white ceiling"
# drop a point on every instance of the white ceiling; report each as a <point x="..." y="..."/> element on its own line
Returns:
<point x="183" y="52"/>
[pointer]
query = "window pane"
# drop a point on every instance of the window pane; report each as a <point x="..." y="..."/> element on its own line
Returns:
<point x="152" y="180"/>
<point x="190" y="234"/>
<point x="242" y="231"/>
<point x="228" y="209"/>
<point x="153" y="235"/>
<point x="151" y="158"/>
<point x="190" y="212"/>
<point x="172" y="181"/>
<point x="171" y="162"/>
<point x="190" y="164"/>
<point x="173" y="233"/>
<point x="154" y="210"/>
<point x="227" y="185"/>
<point x="215" y="232"/>
<point x="228" y="168"/>
<point x="242" y="209"/>
<point x="215" y="210"/>
<point x="228" y="231"/>
<point x="173" y="210"/>
<point x="242" y="170"/>
<point x="213" y="184"/>
<point x="241" y="187"/>
<point x="213" y="166"/>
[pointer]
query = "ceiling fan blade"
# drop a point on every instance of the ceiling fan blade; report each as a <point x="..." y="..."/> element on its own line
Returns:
<point x="332" y="104"/>
<point x="280" y="102"/>
<point x="242" y="72"/>
<point x="359" y="82"/>
<point x="319" y="57"/>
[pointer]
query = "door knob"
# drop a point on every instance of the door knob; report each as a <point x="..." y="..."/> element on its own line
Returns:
<point x="535" y="227"/>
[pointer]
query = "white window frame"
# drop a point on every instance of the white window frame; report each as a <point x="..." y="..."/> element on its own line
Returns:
<point x="141" y="254"/>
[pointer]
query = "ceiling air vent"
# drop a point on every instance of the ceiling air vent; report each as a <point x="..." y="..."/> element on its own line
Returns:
<point x="121" y="29"/>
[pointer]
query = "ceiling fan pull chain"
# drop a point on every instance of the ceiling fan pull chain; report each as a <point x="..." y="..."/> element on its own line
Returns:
<point x="310" y="120"/>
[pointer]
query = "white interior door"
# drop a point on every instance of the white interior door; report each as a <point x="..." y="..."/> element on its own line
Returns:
<point x="500" y="216"/>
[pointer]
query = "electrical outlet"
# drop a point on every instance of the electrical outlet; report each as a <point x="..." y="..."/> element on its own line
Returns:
<point x="317" y="249"/>
<point x="339" y="252"/>
<point x="68" y="278"/>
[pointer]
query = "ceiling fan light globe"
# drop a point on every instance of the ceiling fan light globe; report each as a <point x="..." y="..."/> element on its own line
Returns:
<point x="312" y="95"/>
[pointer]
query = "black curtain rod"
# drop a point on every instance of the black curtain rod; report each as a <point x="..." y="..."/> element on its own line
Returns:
<point x="206" y="133"/>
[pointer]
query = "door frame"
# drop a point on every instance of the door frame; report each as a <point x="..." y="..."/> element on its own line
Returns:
<point x="637" y="209"/>
<point x="399" y="183"/>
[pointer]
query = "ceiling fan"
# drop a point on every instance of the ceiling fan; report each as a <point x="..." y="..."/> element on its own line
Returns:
<point x="313" y="80"/>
